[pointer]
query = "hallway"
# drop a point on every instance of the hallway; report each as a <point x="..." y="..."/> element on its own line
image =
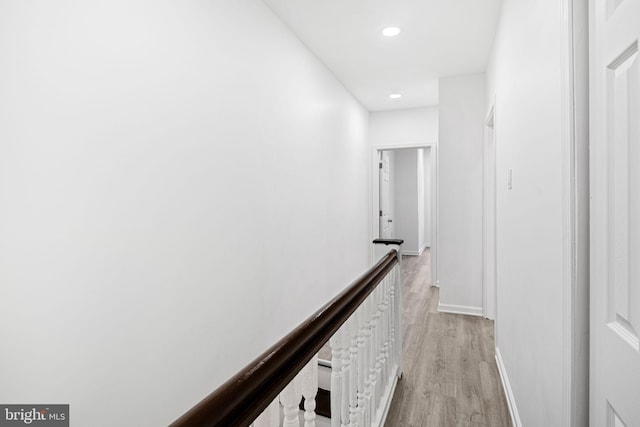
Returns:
<point x="450" y="374"/>
<point x="183" y="183"/>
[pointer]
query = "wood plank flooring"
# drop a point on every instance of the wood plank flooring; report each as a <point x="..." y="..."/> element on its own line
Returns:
<point x="450" y="374"/>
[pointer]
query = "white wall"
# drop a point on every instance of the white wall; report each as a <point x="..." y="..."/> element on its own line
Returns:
<point x="175" y="179"/>
<point x="420" y="197"/>
<point x="461" y="133"/>
<point x="524" y="79"/>
<point x="427" y="197"/>
<point x="402" y="127"/>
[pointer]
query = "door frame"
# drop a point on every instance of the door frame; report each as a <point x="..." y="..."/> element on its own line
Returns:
<point x="575" y="211"/>
<point x="489" y="219"/>
<point x="375" y="198"/>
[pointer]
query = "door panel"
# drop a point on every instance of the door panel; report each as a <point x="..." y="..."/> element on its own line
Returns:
<point x="615" y="213"/>
<point x="613" y="419"/>
<point x="622" y="82"/>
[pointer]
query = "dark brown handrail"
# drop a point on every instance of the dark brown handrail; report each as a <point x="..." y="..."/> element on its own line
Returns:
<point x="240" y="400"/>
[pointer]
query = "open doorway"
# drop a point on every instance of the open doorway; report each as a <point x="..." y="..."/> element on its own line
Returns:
<point x="405" y="198"/>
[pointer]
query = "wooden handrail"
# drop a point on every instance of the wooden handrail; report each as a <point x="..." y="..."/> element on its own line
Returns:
<point x="240" y="400"/>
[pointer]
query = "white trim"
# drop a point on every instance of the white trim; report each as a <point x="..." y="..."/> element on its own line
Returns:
<point x="506" y="385"/>
<point x="489" y="217"/>
<point x="568" y="184"/>
<point x="411" y="253"/>
<point x="574" y="226"/>
<point x="414" y="253"/>
<point x="414" y="144"/>
<point x="489" y="121"/>
<point x="460" y="309"/>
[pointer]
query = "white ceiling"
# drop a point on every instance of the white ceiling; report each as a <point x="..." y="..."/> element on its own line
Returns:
<point x="439" y="38"/>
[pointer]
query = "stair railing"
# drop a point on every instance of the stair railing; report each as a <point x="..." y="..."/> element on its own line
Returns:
<point x="363" y="327"/>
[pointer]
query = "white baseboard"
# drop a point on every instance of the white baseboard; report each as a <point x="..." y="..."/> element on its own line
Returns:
<point x="460" y="309"/>
<point x="410" y="253"/>
<point x="415" y="253"/>
<point x="506" y="385"/>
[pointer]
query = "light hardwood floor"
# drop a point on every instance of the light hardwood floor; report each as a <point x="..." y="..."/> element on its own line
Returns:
<point x="450" y="374"/>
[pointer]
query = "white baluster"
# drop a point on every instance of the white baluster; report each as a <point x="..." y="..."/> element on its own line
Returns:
<point x="345" y="343"/>
<point x="370" y="360"/>
<point x="309" y="391"/>
<point x="390" y="362"/>
<point x="398" y="314"/>
<point x="362" y="366"/>
<point x="336" y="378"/>
<point x="353" y="377"/>
<point x="392" y="297"/>
<point x="390" y="328"/>
<point x="378" y="339"/>
<point x="271" y="415"/>
<point x="373" y="357"/>
<point x="383" y="341"/>
<point x="387" y="336"/>
<point x="378" y="364"/>
<point x="290" y="399"/>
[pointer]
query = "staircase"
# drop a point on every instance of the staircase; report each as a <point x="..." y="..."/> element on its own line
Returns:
<point x="289" y="386"/>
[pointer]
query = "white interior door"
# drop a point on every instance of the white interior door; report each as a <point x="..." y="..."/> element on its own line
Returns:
<point x="386" y="222"/>
<point x="615" y="213"/>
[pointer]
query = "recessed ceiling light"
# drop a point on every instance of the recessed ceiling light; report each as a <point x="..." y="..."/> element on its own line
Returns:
<point x="395" y="95"/>
<point x="390" y="31"/>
